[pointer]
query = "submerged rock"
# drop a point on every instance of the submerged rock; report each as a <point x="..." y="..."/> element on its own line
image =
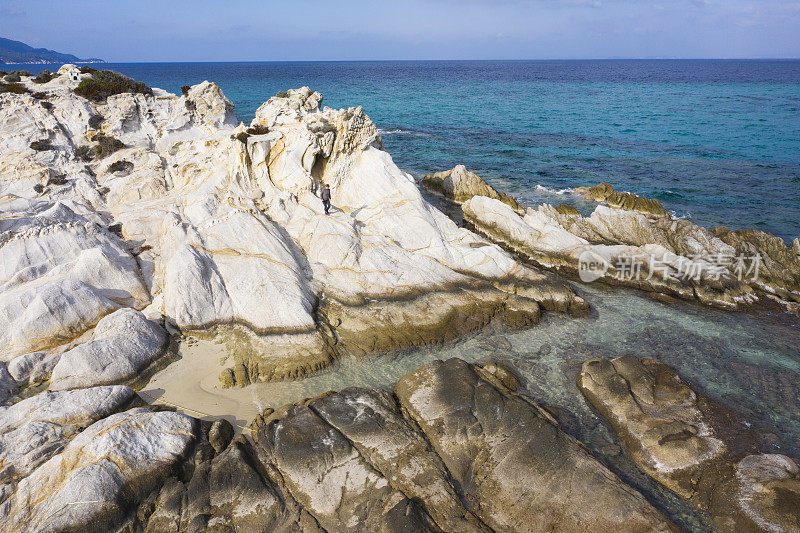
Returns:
<point x="693" y="446"/>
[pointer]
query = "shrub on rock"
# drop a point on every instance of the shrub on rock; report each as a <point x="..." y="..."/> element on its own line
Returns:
<point x="105" y="83"/>
<point x="121" y="166"/>
<point x="84" y="153"/>
<point x="58" y="179"/>
<point x="44" y="76"/>
<point x="15" y="88"/>
<point x="106" y="145"/>
<point x="95" y="121"/>
<point x="258" y="129"/>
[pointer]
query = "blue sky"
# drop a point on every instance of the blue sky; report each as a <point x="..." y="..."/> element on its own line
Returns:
<point x="235" y="30"/>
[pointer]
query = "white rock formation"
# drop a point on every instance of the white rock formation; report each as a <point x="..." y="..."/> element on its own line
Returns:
<point x="221" y="227"/>
<point x="141" y="209"/>
<point x="96" y="475"/>
<point x="661" y="254"/>
<point x="123" y="343"/>
<point x="36" y="428"/>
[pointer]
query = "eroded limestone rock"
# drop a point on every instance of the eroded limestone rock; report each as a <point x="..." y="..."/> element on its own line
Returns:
<point x="625" y="200"/>
<point x="94" y="480"/>
<point x="122" y="344"/>
<point x="372" y="422"/>
<point x="36" y="428"/>
<point x="459" y="184"/>
<point x="328" y="477"/>
<point x="657" y="416"/>
<point x="162" y="202"/>
<point x="672" y="257"/>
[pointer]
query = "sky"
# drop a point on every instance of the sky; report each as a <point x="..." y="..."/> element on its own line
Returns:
<point x="236" y="30"/>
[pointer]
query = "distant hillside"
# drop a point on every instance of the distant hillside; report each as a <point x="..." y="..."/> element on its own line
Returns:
<point x="17" y="52"/>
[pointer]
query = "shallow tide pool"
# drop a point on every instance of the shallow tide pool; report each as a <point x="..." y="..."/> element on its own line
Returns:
<point x="750" y="362"/>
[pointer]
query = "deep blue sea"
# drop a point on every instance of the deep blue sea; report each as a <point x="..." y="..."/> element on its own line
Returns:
<point x="717" y="141"/>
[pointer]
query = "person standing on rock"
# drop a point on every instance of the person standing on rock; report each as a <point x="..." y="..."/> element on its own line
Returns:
<point x="326" y="198"/>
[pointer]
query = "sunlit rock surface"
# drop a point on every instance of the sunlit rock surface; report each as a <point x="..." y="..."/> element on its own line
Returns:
<point x="510" y="458"/>
<point x="34" y="429"/>
<point x="459" y="185"/>
<point x="123" y="343"/>
<point x="143" y="214"/>
<point x="660" y="254"/>
<point x="100" y="473"/>
<point x="162" y="203"/>
<point x="137" y="215"/>
<point x="605" y="193"/>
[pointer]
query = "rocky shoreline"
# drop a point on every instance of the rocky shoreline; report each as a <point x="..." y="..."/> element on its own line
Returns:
<point x="632" y="241"/>
<point x="134" y="219"/>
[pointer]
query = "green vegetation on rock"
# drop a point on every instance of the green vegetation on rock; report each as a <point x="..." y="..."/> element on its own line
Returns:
<point x="44" y="77"/>
<point x="15" y="88"/>
<point x="105" y="83"/>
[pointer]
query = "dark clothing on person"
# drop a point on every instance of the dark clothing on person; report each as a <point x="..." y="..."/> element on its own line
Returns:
<point x="326" y="199"/>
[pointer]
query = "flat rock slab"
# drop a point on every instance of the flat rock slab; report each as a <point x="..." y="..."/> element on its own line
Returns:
<point x="657" y="417"/>
<point x="329" y="478"/>
<point x="372" y="421"/>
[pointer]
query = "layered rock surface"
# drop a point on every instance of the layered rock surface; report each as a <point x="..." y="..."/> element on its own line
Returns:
<point x="639" y="246"/>
<point x="138" y="213"/>
<point x="605" y="193"/>
<point x="162" y="203"/>
<point x="692" y="446"/>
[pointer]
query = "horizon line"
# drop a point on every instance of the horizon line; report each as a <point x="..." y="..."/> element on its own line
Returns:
<point x="421" y="60"/>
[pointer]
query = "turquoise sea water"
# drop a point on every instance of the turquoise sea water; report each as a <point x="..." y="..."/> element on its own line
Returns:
<point x="716" y="141"/>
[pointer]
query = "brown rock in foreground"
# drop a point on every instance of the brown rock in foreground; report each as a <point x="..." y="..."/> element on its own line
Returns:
<point x="459" y="451"/>
<point x="691" y="445"/>
<point x="518" y="470"/>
